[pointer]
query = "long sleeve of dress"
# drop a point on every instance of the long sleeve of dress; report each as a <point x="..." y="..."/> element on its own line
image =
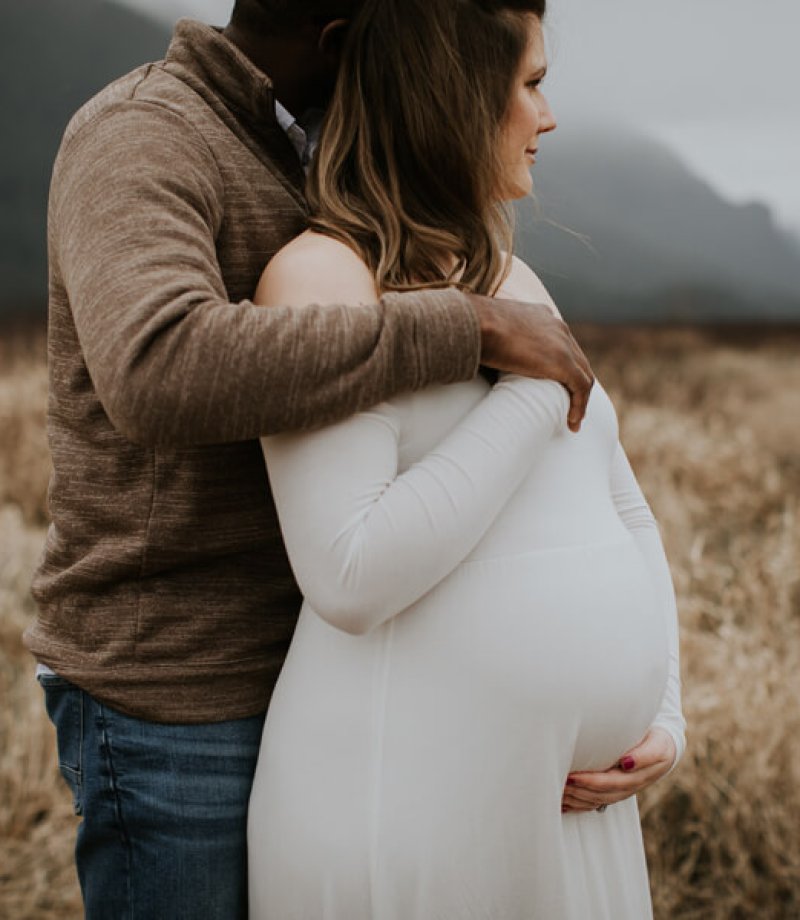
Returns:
<point x="635" y="513"/>
<point x="366" y="541"/>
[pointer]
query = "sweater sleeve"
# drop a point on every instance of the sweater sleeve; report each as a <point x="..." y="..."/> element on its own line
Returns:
<point x="635" y="513"/>
<point x="365" y="541"/>
<point x="137" y="201"/>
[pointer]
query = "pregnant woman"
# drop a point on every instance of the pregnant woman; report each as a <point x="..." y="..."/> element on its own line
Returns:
<point x="485" y="666"/>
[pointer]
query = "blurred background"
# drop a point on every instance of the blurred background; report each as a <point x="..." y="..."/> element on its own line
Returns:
<point x="667" y="226"/>
<point x="676" y="164"/>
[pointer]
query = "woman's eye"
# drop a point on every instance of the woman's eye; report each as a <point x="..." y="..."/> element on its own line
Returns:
<point x="533" y="85"/>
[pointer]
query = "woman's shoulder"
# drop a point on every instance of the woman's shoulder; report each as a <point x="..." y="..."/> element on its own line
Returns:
<point x="315" y="269"/>
<point x="522" y="283"/>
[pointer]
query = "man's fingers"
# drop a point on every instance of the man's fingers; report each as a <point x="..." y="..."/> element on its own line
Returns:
<point x="579" y="381"/>
<point x="528" y="339"/>
<point x="580" y="356"/>
<point x="579" y="394"/>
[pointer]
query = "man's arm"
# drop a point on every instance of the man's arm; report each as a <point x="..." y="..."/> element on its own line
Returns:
<point x="636" y="515"/>
<point x="136" y="204"/>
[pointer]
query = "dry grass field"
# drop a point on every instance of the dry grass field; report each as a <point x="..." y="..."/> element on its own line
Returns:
<point x="711" y="420"/>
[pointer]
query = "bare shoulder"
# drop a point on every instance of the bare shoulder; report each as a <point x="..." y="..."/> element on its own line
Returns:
<point x="523" y="283"/>
<point x="315" y="269"/>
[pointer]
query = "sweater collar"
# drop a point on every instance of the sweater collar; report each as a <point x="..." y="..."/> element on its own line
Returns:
<point x="204" y="53"/>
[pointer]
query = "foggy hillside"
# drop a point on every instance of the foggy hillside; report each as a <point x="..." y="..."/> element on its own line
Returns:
<point x="54" y="55"/>
<point x="662" y="244"/>
<point x="643" y="229"/>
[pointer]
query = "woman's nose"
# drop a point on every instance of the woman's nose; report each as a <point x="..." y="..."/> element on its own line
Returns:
<point x="547" y="121"/>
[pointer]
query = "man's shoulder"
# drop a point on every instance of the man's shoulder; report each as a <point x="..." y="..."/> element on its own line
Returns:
<point x="116" y="92"/>
<point x="147" y="94"/>
<point x="140" y="132"/>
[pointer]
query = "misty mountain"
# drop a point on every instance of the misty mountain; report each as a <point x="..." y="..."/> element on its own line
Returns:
<point x="53" y="57"/>
<point x="621" y="221"/>
<point x="645" y="239"/>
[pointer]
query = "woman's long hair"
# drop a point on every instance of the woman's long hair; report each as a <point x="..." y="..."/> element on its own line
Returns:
<point x="407" y="170"/>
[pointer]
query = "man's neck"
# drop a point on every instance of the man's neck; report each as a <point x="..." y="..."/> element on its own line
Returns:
<point x="288" y="64"/>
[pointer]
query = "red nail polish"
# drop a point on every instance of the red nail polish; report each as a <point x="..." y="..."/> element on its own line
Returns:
<point x="627" y="763"/>
<point x="570" y="782"/>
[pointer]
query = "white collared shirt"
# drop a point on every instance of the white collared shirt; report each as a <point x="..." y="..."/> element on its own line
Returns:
<point x="303" y="132"/>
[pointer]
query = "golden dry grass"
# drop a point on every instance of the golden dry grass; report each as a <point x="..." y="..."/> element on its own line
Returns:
<point x="713" y="430"/>
<point x="712" y="424"/>
<point x="37" y="879"/>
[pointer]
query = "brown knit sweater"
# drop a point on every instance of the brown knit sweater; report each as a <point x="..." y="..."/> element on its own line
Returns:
<point x="164" y="589"/>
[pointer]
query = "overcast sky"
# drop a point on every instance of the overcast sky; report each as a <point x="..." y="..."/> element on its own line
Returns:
<point x="717" y="80"/>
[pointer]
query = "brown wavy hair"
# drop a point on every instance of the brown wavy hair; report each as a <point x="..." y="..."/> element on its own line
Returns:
<point x="407" y="168"/>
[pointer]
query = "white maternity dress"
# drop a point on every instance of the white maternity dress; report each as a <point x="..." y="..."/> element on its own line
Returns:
<point x="487" y="608"/>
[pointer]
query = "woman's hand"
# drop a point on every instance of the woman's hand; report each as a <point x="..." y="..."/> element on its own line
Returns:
<point x="635" y="770"/>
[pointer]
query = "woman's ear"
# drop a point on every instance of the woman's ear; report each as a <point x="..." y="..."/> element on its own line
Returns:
<point x="331" y="39"/>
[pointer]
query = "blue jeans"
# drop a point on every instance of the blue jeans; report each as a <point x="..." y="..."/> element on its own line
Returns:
<point x="164" y="807"/>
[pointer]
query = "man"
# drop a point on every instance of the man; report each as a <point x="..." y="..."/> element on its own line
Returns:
<point x="166" y="600"/>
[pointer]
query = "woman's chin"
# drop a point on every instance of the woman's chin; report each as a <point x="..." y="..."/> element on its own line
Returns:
<point x="519" y="187"/>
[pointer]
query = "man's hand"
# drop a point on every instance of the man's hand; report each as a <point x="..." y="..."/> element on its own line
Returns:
<point x="532" y="340"/>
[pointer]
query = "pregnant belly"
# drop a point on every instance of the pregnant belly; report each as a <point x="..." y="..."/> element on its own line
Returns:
<point x="568" y="642"/>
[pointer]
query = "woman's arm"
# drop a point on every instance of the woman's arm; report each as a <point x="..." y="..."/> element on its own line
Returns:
<point x="664" y="743"/>
<point x="365" y="540"/>
<point x="635" y="513"/>
<point x="632" y="507"/>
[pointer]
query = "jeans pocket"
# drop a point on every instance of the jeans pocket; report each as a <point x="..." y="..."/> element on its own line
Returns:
<point x="64" y="704"/>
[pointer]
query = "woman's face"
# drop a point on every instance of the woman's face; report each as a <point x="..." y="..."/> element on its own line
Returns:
<point x="528" y="116"/>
